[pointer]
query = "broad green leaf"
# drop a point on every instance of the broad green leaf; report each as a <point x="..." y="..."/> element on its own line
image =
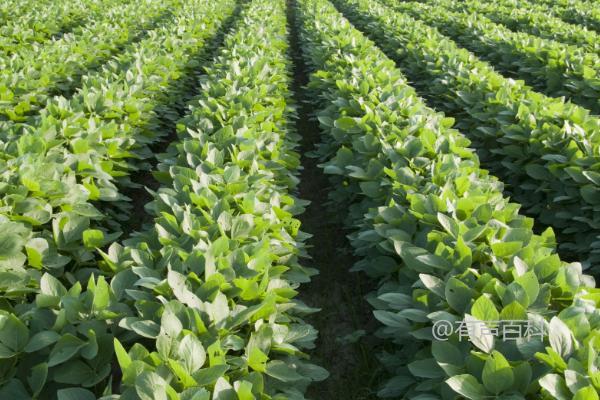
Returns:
<point x="434" y="284"/>
<point x="122" y="356"/>
<point x="458" y="295"/>
<point x="151" y="386"/>
<point x="522" y="374"/>
<point x="192" y="353"/>
<point x="449" y="224"/>
<point x="51" y="286"/>
<point x="41" y="340"/>
<point x="10" y="245"/>
<point x="497" y="373"/>
<point x="555" y="385"/>
<point x="345" y="123"/>
<point x="529" y="282"/>
<point x="282" y="372"/>
<point x="560" y="337"/>
<point x="13" y="333"/>
<point x="257" y="360"/>
<point x="506" y="249"/>
<point x="37" y="377"/>
<point x="427" y="368"/>
<point x="513" y="312"/>
<point x="484" y="309"/>
<point x="208" y="376"/>
<point x="75" y="394"/>
<point x="586" y="393"/>
<point x="93" y="238"/>
<point x="478" y="334"/>
<point x="64" y="349"/>
<point x="466" y="385"/>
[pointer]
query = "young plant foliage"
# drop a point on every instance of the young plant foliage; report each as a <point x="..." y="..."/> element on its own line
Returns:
<point x="436" y="232"/>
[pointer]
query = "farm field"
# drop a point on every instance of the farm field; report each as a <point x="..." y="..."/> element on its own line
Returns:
<point x="299" y="199"/>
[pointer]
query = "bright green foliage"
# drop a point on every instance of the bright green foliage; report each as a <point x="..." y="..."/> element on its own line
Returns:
<point x="543" y="149"/>
<point x="582" y="12"/>
<point x="25" y="25"/>
<point x="63" y="164"/>
<point x="439" y="236"/>
<point x="213" y="281"/>
<point x="30" y="77"/>
<point x="554" y="68"/>
<point x="72" y="155"/>
<point x="516" y="16"/>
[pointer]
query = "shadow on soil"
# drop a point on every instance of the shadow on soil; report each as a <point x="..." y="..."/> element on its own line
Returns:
<point x="338" y="292"/>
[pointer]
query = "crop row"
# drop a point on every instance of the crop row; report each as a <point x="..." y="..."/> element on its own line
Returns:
<point x="438" y="234"/>
<point x="554" y="68"/>
<point x="535" y="21"/>
<point x="9" y="9"/>
<point x="581" y="12"/>
<point x="61" y="166"/>
<point x="59" y="187"/>
<point x="214" y="280"/>
<point x="543" y="148"/>
<point x="33" y="24"/>
<point x="28" y="79"/>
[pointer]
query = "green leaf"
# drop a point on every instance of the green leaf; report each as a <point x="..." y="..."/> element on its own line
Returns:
<point x="122" y="356"/>
<point x="147" y="328"/>
<point x="208" y="376"/>
<point x="257" y="360"/>
<point x="506" y="249"/>
<point x="478" y="335"/>
<point x="151" y="386"/>
<point x="13" y="333"/>
<point x="75" y="394"/>
<point x="41" y="340"/>
<point x="14" y="390"/>
<point x="560" y="337"/>
<point x="530" y="284"/>
<point x="484" y="309"/>
<point x="51" y="286"/>
<point x="192" y="353"/>
<point x="555" y="385"/>
<point x="74" y="372"/>
<point x="186" y="379"/>
<point x="590" y="193"/>
<point x="73" y="228"/>
<point x="537" y="172"/>
<point x="433" y="283"/>
<point x="449" y="224"/>
<point x="419" y="259"/>
<point x="36" y="248"/>
<point x="466" y="385"/>
<point x="522" y="374"/>
<point x="10" y="245"/>
<point x="447" y="353"/>
<point x="345" y="123"/>
<point x="513" y="312"/>
<point x="586" y="393"/>
<point x="37" y="377"/>
<point x="93" y="238"/>
<point x="282" y="372"/>
<point x="497" y="373"/>
<point x="223" y="390"/>
<point x="427" y="368"/>
<point x="101" y="295"/>
<point x="458" y="295"/>
<point x="66" y="347"/>
<point x="244" y="390"/>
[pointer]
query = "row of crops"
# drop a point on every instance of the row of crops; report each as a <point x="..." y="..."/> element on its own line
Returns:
<point x="150" y="224"/>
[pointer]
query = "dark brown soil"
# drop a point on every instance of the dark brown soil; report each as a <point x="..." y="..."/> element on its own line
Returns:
<point x="338" y="292"/>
